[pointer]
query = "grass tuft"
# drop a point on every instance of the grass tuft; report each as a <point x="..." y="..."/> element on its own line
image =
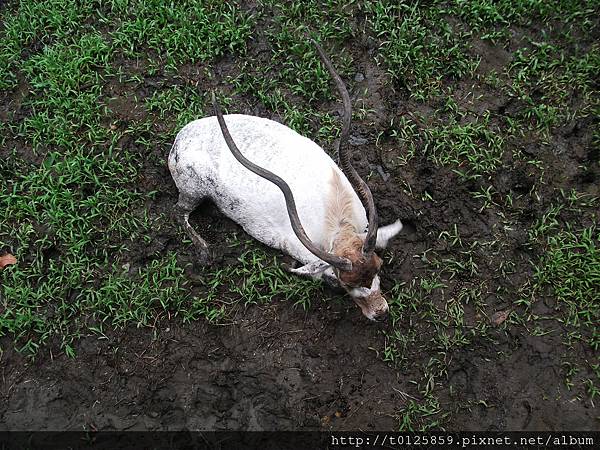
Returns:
<point x="569" y="271"/>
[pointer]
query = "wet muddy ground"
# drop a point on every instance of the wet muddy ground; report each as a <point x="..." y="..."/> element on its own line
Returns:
<point x="278" y="368"/>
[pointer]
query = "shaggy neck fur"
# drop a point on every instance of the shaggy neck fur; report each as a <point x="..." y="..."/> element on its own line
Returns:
<point x="339" y="214"/>
<point x="349" y="244"/>
<point x="345" y="241"/>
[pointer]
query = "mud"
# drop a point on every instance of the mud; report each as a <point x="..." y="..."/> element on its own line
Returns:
<point x="275" y="368"/>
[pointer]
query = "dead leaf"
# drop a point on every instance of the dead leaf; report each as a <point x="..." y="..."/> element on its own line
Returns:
<point x="500" y="316"/>
<point x="7" y="260"/>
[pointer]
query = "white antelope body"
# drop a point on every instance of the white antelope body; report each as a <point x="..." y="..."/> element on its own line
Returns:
<point x="322" y="224"/>
<point x="204" y="168"/>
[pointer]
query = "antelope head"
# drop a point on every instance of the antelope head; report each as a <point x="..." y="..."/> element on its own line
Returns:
<point x="352" y="255"/>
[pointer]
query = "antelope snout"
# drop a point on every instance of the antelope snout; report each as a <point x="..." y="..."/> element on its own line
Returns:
<point x="382" y="315"/>
<point x="374" y="307"/>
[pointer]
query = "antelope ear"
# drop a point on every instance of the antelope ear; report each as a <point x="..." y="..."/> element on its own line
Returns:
<point x="312" y="269"/>
<point x="384" y="234"/>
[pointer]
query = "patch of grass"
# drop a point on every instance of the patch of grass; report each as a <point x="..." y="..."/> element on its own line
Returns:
<point x="72" y="195"/>
<point x="418" y="45"/>
<point x="62" y="219"/>
<point x="397" y="347"/>
<point x="37" y="24"/>
<point x="547" y="79"/>
<point x="299" y="67"/>
<point x="260" y="279"/>
<point x="436" y="315"/>
<point x="424" y="413"/>
<point x="123" y="299"/>
<point x="255" y="278"/>
<point x="66" y="81"/>
<point x="569" y="271"/>
<point x="182" y="32"/>
<point x="473" y="148"/>
<point x="565" y="277"/>
<point x="293" y="78"/>
<point x="46" y="22"/>
<point x="178" y="105"/>
<point x="67" y="301"/>
<point x="335" y="17"/>
<point x="419" y="415"/>
<point x="488" y="14"/>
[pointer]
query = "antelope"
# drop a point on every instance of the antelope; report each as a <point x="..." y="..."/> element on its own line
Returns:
<point x="321" y="218"/>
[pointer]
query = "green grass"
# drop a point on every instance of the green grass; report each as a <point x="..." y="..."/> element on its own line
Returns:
<point x="494" y="15"/>
<point x="177" y="105"/>
<point x="298" y="65"/>
<point x="70" y="211"/>
<point x="418" y="46"/>
<point x="566" y="276"/>
<point x="81" y="187"/>
<point x="39" y="24"/>
<point x="181" y="32"/>
<point x="66" y="83"/>
<point x="271" y="94"/>
<point x="569" y="272"/>
<point x="65" y="219"/>
<point x="545" y="78"/>
<point x="471" y="148"/>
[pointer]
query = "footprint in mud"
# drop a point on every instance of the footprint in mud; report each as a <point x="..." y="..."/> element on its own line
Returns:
<point x="244" y="402"/>
<point x="526" y="407"/>
<point x="409" y="230"/>
<point x="459" y="381"/>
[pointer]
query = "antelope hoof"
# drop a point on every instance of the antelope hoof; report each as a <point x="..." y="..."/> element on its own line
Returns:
<point x="203" y="257"/>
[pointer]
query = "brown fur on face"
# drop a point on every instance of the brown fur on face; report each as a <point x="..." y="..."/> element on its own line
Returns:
<point x="349" y="245"/>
